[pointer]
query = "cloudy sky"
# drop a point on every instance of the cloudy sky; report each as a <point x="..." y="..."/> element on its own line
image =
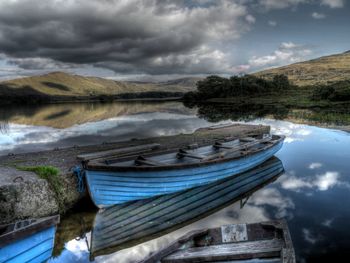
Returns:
<point x="135" y="39"/>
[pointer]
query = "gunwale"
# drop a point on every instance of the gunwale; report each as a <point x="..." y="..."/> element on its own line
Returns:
<point x="98" y="165"/>
<point x="34" y="226"/>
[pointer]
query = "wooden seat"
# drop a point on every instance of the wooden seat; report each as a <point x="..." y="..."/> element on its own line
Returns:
<point x="183" y="153"/>
<point x="231" y="251"/>
<point x="140" y="160"/>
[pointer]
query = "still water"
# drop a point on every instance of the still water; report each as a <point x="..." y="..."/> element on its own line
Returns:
<point x="312" y="193"/>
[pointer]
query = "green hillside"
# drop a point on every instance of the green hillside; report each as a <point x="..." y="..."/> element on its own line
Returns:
<point x="320" y="71"/>
<point x="63" y="84"/>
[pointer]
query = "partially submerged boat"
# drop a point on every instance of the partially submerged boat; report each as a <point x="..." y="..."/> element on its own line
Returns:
<point x="29" y="240"/>
<point x="122" y="226"/>
<point x="267" y="242"/>
<point x="118" y="180"/>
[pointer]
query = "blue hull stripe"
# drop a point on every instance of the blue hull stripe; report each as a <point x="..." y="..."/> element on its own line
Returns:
<point x="108" y="188"/>
<point x="35" y="248"/>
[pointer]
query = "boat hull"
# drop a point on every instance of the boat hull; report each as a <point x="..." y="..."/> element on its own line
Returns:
<point x="37" y="247"/>
<point x="109" y="188"/>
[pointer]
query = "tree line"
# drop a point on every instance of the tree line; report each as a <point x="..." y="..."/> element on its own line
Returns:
<point x="220" y="87"/>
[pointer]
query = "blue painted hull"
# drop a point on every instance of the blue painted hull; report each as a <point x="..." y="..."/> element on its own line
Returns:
<point x="35" y="248"/>
<point x="108" y="188"/>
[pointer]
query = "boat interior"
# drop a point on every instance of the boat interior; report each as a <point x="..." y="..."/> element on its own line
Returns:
<point x="227" y="148"/>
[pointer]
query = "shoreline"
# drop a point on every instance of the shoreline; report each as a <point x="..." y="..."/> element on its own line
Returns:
<point x="46" y="100"/>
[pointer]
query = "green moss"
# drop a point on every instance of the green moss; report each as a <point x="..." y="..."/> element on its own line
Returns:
<point x="51" y="175"/>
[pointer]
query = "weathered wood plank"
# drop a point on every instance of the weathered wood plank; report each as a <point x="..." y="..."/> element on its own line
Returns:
<point x="174" y="246"/>
<point x="120" y="151"/>
<point x="243" y="250"/>
<point x="140" y="160"/>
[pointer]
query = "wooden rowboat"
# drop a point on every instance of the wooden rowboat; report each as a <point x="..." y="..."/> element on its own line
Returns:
<point x="122" y="226"/>
<point x="115" y="181"/>
<point x="29" y="240"/>
<point x="267" y="242"/>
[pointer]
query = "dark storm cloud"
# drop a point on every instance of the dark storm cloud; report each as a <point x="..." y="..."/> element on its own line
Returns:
<point x="150" y="36"/>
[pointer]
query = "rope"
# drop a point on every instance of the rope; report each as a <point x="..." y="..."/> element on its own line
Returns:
<point x="80" y="174"/>
<point x="83" y="231"/>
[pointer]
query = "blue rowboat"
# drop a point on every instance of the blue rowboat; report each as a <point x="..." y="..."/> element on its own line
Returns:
<point x="28" y="240"/>
<point x="122" y="226"/>
<point x="116" y="181"/>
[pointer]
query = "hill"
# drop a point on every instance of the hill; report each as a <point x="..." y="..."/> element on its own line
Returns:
<point x="324" y="70"/>
<point x="63" y="84"/>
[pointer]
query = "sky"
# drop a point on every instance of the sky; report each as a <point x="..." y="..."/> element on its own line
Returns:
<point x="164" y="39"/>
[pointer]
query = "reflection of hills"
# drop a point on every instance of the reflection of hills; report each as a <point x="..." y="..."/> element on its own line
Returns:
<point x="67" y="115"/>
<point x="125" y="225"/>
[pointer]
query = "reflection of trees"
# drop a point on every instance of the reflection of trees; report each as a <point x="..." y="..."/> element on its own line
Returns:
<point x="240" y="112"/>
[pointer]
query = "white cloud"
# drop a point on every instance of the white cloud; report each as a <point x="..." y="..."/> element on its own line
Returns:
<point x="278" y="4"/>
<point x="318" y="15"/>
<point x="321" y="182"/>
<point x="287" y="53"/>
<point x="308" y="236"/>
<point x="273" y="197"/>
<point x="272" y="23"/>
<point x="326" y="181"/>
<point x="250" y="19"/>
<point x="313" y="166"/>
<point x="333" y="3"/>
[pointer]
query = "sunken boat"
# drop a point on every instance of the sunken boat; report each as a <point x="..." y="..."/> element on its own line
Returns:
<point x="114" y="181"/>
<point x="126" y="225"/>
<point x="30" y="240"/>
<point x="268" y="242"/>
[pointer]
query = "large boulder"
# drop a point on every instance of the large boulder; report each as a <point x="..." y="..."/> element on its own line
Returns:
<point x="24" y="195"/>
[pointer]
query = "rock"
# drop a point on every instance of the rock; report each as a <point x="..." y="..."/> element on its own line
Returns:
<point x="24" y="195"/>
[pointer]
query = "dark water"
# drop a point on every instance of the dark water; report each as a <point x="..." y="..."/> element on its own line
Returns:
<point x="312" y="193"/>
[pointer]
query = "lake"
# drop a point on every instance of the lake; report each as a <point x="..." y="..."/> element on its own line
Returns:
<point x="311" y="194"/>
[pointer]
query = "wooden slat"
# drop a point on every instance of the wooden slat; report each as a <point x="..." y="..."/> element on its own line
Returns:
<point x="140" y="160"/>
<point x="120" y="151"/>
<point x="242" y="250"/>
<point x="174" y="246"/>
<point x="183" y="153"/>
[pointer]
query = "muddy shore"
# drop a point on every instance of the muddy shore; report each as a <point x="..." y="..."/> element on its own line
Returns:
<point x="24" y="194"/>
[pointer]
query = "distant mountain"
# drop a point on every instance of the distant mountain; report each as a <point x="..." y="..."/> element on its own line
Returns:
<point x="183" y="82"/>
<point x="59" y="86"/>
<point x="324" y="70"/>
<point x="64" y="84"/>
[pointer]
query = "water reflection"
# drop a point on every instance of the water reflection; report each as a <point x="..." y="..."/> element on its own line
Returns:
<point x="311" y="194"/>
<point x="65" y="125"/>
<point x="124" y="225"/>
<point x="246" y="111"/>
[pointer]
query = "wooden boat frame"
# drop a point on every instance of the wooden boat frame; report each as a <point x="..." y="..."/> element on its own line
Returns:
<point x="12" y="233"/>
<point x="256" y="232"/>
<point x="101" y="165"/>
